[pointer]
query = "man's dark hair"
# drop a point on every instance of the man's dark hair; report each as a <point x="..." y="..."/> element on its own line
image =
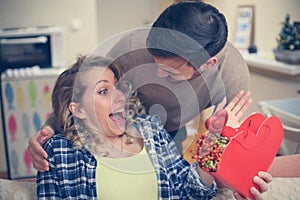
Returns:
<point x="195" y="31"/>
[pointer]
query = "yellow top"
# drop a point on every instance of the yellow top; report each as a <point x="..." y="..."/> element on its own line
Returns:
<point x="126" y="178"/>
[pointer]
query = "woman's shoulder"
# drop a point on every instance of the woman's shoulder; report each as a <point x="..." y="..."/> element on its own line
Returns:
<point x="61" y="145"/>
<point x="58" y="140"/>
<point x="57" y="145"/>
<point x="153" y="121"/>
<point x="148" y="118"/>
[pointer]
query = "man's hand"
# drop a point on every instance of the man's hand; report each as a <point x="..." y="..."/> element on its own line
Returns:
<point x="237" y="108"/>
<point x="261" y="181"/>
<point x="37" y="153"/>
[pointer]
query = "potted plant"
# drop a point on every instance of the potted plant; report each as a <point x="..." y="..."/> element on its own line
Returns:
<point x="288" y="43"/>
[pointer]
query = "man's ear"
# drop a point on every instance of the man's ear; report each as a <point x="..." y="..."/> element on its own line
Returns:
<point x="209" y="64"/>
<point x="76" y="110"/>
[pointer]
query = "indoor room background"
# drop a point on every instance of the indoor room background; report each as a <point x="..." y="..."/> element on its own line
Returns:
<point x="89" y="22"/>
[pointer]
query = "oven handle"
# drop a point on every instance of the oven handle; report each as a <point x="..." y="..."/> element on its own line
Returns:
<point x="32" y="40"/>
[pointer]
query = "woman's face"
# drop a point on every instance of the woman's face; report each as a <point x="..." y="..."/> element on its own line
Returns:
<point x="102" y="104"/>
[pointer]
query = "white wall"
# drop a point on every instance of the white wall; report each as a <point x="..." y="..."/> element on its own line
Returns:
<point x="126" y="15"/>
<point x="18" y="13"/>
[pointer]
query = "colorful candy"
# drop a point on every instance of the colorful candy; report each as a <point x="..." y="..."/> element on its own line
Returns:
<point x="210" y="147"/>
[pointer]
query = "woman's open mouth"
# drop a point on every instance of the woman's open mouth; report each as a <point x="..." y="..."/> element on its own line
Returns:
<point x="118" y="117"/>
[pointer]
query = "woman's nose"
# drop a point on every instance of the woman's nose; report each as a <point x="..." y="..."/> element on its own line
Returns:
<point x="161" y="73"/>
<point x="119" y="96"/>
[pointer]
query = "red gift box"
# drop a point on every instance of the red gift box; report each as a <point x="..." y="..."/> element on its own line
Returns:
<point x="251" y="148"/>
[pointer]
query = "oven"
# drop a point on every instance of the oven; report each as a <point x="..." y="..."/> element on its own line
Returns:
<point x="32" y="46"/>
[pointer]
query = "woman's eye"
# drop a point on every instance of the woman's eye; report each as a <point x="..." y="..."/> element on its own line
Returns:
<point x="103" y="91"/>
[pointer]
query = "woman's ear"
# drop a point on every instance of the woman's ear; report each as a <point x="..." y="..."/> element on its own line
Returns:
<point x="76" y="110"/>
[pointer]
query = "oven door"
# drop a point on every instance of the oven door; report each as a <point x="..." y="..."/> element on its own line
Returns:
<point x="17" y="52"/>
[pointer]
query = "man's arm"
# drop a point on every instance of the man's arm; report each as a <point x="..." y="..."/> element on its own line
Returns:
<point x="37" y="153"/>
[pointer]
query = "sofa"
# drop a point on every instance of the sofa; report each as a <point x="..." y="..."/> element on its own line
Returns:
<point x="280" y="188"/>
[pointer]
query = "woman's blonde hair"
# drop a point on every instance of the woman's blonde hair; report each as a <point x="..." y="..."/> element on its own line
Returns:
<point x="70" y="88"/>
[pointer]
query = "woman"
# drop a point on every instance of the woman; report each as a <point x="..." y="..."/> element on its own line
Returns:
<point x="103" y="154"/>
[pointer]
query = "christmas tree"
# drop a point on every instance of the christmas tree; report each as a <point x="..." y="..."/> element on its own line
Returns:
<point x="288" y="37"/>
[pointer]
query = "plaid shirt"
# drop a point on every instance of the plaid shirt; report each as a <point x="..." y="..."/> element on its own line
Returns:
<point x="72" y="173"/>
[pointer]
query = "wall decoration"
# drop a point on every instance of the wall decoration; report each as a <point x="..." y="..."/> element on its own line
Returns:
<point x="244" y="35"/>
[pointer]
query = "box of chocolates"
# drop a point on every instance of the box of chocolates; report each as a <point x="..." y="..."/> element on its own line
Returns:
<point x="233" y="156"/>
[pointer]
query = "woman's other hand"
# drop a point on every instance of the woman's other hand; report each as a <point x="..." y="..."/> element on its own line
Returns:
<point x="262" y="181"/>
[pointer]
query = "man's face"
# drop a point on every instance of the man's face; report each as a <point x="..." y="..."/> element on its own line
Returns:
<point x="174" y="69"/>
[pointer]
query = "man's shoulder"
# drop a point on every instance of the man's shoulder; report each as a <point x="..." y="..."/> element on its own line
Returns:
<point x="230" y="57"/>
<point x="229" y="48"/>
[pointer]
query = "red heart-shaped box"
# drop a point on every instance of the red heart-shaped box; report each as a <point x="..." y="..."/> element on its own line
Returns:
<point x="251" y="148"/>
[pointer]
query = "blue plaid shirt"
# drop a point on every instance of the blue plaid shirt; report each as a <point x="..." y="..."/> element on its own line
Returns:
<point x="72" y="173"/>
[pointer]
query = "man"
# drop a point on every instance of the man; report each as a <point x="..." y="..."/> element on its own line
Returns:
<point x="196" y="48"/>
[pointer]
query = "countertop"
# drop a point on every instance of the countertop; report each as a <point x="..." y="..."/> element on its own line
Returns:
<point x="266" y="61"/>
